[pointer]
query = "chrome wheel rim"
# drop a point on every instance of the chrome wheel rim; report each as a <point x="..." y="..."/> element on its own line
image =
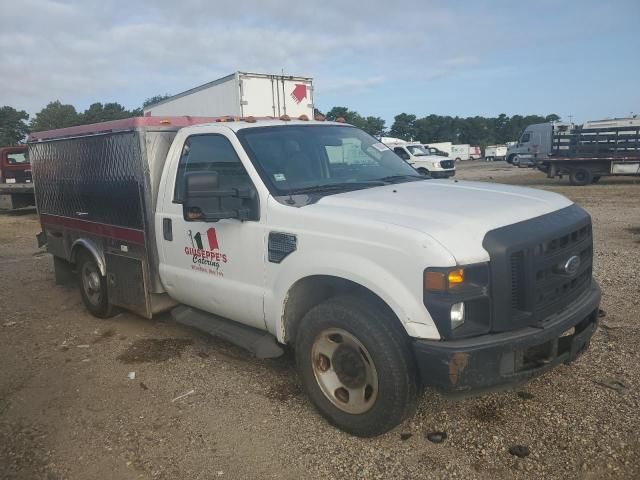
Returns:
<point x="344" y="371"/>
<point x="91" y="283"/>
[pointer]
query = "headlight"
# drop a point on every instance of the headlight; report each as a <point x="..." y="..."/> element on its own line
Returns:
<point x="457" y="315"/>
<point x="458" y="299"/>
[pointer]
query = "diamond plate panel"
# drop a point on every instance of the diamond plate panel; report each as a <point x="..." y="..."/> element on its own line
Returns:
<point x="98" y="178"/>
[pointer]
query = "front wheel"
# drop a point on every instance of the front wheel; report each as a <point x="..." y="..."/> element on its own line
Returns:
<point x="356" y="366"/>
<point x="423" y="171"/>
<point x="93" y="287"/>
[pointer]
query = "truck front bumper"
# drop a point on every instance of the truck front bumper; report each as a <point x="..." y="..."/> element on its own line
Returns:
<point x="503" y="360"/>
<point x="442" y="173"/>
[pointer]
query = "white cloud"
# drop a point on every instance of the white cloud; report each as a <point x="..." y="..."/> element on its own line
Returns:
<point x="117" y="50"/>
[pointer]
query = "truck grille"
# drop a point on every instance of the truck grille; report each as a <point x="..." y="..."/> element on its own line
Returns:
<point x="529" y="281"/>
<point x="446" y="164"/>
<point x="544" y="288"/>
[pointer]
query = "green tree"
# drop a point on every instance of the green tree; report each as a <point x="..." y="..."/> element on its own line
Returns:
<point x="374" y="126"/>
<point x="404" y="127"/>
<point x="155" y="99"/>
<point x="13" y="125"/>
<point x="97" y="112"/>
<point x="55" y="115"/>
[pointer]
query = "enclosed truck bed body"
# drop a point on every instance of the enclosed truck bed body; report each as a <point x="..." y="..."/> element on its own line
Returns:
<point x="97" y="188"/>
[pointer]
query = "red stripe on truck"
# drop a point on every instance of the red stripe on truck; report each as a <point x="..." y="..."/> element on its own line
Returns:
<point x="125" y="234"/>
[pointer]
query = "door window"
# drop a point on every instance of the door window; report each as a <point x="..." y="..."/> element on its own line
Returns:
<point x="525" y="138"/>
<point x="401" y="153"/>
<point x="207" y="153"/>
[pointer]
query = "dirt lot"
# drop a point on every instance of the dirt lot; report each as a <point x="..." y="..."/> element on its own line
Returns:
<point x="199" y="408"/>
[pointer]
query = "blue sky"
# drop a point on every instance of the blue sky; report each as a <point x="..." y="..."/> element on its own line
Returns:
<point x="579" y="58"/>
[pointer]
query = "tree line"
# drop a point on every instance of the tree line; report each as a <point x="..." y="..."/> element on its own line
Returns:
<point x="15" y="125"/>
<point x="476" y="130"/>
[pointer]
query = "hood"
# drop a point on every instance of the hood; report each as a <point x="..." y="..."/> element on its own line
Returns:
<point x="456" y="214"/>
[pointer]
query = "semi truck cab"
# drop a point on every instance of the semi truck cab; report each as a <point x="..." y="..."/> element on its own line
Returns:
<point x="16" y="189"/>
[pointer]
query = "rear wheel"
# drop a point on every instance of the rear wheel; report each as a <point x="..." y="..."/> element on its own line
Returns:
<point x="356" y="366"/>
<point x="93" y="287"/>
<point x="580" y="177"/>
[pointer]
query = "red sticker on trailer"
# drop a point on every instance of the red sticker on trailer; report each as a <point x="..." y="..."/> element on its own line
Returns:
<point x="299" y="92"/>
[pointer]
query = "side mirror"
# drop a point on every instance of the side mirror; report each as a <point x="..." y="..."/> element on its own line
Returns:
<point x="205" y="201"/>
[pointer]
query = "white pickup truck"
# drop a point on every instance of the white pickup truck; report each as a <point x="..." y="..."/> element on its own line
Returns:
<point x="313" y="235"/>
<point x="420" y="158"/>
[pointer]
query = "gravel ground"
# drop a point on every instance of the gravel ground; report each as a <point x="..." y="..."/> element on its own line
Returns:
<point x="199" y="408"/>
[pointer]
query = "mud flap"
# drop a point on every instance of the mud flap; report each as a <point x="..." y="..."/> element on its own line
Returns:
<point x="127" y="283"/>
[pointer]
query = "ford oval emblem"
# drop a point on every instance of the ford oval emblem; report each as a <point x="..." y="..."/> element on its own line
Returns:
<point x="572" y="265"/>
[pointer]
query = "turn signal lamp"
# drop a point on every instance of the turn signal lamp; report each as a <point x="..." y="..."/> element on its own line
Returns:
<point x="456" y="277"/>
<point x="438" y="281"/>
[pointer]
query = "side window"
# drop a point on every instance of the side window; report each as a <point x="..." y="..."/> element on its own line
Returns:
<point x="401" y="153"/>
<point x="208" y="153"/>
<point x="525" y="138"/>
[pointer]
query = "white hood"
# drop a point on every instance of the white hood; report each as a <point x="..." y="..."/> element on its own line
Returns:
<point x="456" y="214"/>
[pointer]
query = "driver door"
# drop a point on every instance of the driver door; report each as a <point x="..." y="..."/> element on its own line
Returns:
<point x="218" y="266"/>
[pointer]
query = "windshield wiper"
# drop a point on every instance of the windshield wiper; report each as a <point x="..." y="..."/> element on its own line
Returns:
<point x="338" y="186"/>
<point x="393" y="178"/>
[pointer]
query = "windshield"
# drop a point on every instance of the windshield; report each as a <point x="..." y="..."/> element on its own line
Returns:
<point x="17" y="159"/>
<point x="416" y="150"/>
<point x="299" y="157"/>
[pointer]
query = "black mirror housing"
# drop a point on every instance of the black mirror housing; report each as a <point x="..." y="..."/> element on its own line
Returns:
<point x="206" y="201"/>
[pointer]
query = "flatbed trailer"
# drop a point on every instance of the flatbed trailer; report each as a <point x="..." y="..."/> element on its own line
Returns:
<point x="590" y="152"/>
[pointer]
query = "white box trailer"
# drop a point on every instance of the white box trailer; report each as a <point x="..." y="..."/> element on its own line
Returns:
<point x="242" y="94"/>
<point x="460" y="152"/>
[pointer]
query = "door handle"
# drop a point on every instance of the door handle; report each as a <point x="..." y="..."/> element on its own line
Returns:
<point x="167" y="230"/>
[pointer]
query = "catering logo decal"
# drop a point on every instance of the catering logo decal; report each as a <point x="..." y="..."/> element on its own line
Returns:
<point x="205" y="252"/>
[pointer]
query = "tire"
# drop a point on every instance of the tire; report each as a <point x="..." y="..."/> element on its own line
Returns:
<point x="515" y="160"/>
<point x="366" y="352"/>
<point x="596" y="179"/>
<point x="458" y="159"/>
<point x="424" y="171"/>
<point x="93" y="287"/>
<point x="580" y="177"/>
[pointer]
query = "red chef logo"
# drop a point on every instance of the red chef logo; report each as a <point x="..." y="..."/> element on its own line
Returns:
<point x="205" y="252"/>
<point x="299" y="92"/>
